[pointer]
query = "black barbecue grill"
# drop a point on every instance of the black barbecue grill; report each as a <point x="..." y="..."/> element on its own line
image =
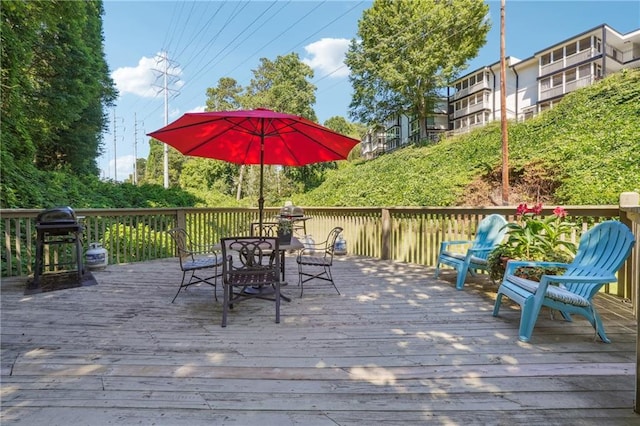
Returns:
<point x="296" y="215"/>
<point x="57" y="226"/>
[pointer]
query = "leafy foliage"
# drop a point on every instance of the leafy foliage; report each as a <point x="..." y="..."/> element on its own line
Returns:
<point x="584" y="151"/>
<point x="408" y="52"/>
<point x="56" y="83"/>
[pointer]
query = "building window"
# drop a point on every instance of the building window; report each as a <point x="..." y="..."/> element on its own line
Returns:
<point x="570" y="75"/>
<point x="584" y="44"/>
<point x="617" y="55"/>
<point x="545" y="59"/>
<point x="584" y="71"/>
<point x="557" y="80"/>
<point x="570" y="49"/>
<point x="414" y="127"/>
<point x="545" y="83"/>
<point x="431" y="122"/>
<point x="558" y="55"/>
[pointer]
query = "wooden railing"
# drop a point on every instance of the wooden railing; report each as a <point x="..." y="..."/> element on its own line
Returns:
<point x="401" y="234"/>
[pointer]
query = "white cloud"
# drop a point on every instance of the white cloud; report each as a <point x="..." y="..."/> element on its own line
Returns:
<point x="123" y="165"/>
<point x="327" y="56"/>
<point x="143" y="80"/>
<point x="199" y="108"/>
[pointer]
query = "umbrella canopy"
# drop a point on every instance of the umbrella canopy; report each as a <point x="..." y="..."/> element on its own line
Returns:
<point x="258" y="136"/>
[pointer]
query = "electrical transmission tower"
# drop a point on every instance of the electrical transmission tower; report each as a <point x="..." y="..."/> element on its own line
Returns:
<point x="165" y="70"/>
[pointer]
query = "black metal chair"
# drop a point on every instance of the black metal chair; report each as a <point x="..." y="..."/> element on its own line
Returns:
<point x="315" y="260"/>
<point x="251" y="269"/>
<point x="195" y="260"/>
<point x="269" y="229"/>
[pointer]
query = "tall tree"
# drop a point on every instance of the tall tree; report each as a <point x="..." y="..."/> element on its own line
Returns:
<point x="283" y="85"/>
<point x="56" y="76"/>
<point x="408" y="52"/>
<point x="227" y="96"/>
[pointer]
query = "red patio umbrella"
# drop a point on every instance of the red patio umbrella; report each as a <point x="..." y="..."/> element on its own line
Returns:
<point x="258" y="136"/>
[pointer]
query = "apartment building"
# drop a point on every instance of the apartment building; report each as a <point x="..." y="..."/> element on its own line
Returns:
<point x="537" y="83"/>
<point x="532" y="85"/>
<point x="401" y="130"/>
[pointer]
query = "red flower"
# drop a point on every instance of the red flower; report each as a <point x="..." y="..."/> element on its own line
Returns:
<point x="560" y="212"/>
<point x="537" y="209"/>
<point x="522" y="209"/>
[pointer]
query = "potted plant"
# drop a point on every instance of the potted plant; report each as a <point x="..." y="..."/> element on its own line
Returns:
<point x="285" y="231"/>
<point x="534" y="238"/>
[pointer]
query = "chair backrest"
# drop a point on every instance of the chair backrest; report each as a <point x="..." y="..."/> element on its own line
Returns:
<point x="491" y="232"/>
<point x="331" y="242"/>
<point x="258" y="258"/>
<point x="269" y="229"/>
<point x="601" y="252"/>
<point x="181" y="239"/>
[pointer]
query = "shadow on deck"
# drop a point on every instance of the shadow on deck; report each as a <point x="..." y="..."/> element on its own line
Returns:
<point x="397" y="347"/>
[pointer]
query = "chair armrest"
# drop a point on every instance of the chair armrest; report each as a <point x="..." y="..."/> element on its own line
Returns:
<point x="312" y="249"/>
<point x="562" y="279"/>
<point x="512" y="265"/>
<point x="596" y="283"/>
<point x="481" y="250"/>
<point x="204" y="249"/>
<point x="445" y="244"/>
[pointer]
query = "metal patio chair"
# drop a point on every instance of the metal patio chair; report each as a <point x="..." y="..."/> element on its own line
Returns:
<point x="315" y="260"/>
<point x="200" y="261"/>
<point x="251" y="269"/>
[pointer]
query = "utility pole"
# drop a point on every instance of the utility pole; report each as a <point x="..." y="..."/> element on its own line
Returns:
<point x="135" y="149"/>
<point x="166" y="119"/>
<point x="503" y="110"/>
<point x="115" y="143"/>
<point x="167" y="78"/>
<point x="115" y="157"/>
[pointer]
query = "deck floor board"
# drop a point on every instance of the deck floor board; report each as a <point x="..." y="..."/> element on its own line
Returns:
<point x="397" y="347"/>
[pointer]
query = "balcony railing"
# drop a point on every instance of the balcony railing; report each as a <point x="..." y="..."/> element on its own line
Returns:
<point x="401" y="234"/>
<point x="567" y="61"/>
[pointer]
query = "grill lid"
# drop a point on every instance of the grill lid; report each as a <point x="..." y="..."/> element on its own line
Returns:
<point x="291" y="211"/>
<point x="59" y="215"/>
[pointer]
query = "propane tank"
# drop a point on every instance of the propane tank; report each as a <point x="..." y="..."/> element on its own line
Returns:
<point x="340" y="246"/>
<point x="309" y="244"/>
<point x="96" y="257"/>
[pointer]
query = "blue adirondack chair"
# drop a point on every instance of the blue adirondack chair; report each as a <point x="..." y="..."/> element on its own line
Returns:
<point x="601" y="252"/>
<point x="491" y="232"/>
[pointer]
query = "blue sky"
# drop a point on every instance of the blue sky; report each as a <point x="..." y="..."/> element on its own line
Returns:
<point x="207" y="40"/>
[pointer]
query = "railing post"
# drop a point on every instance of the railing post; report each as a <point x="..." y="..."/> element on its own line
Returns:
<point x="625" y="277"/>
<point x="386" y="234"/>
<point x="181" y="218"/>
<point x="631" y="267"/>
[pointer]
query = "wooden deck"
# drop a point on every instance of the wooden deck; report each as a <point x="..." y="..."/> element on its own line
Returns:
<point x="397" y="347"/>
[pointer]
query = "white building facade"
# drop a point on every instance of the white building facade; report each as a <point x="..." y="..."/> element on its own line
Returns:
<point x="532" y="85"/>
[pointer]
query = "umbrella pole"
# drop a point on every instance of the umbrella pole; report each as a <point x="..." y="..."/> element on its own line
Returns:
<point x="261" y="199"/>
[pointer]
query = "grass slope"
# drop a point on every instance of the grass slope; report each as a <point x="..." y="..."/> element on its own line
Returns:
<point x="584" y="151"/>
